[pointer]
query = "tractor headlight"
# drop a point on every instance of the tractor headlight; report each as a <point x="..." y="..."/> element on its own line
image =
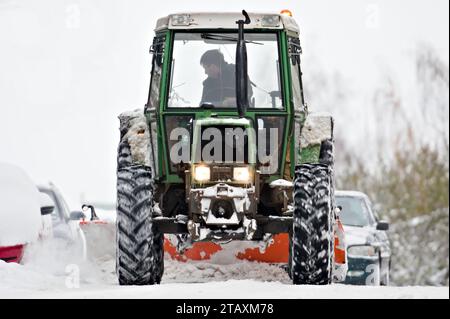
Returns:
<point x="202" y="173"/>
<point x="270" y="21"/>
<point x="242" y="174"/>
<point x="362" y="251"/>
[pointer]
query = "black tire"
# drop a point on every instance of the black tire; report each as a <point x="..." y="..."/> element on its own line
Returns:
<point x="139" y="251"/>
<point x="124" y="158"/>
<point x="158" y="253"/>
<point x="289" y="266"/>
<point x="326" y="155"/>
<point x="312" y="236"/>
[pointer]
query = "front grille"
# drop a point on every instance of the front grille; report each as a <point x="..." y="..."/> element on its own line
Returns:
<point x="237" y="151"/>
<point x="221" y="173"/>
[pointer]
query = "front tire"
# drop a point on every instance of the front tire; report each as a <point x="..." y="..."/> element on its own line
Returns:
<point x="312" y="236"/>
<point x="139" y="251"/>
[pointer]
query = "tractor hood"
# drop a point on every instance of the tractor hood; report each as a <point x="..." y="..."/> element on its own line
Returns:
<point x="213" y="121"/>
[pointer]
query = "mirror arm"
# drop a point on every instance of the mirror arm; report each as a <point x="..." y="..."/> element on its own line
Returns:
<point x="241" y="67"/>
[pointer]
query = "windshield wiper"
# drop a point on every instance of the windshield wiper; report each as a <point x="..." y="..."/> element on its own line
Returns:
<point x="221" y="37"/>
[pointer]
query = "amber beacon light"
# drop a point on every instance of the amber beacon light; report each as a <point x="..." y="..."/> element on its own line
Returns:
<point x="286" y="12"/>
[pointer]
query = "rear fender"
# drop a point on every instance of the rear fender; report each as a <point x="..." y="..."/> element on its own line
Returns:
<point x="134" y="130"/>
<point x="315" y="132"/>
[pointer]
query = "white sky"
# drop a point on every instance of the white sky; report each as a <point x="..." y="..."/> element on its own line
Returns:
<point x="69" y="67"/>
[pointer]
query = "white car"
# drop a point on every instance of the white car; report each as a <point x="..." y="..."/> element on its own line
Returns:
<point x="24" y="213"/>
<point x="65" y="223"/>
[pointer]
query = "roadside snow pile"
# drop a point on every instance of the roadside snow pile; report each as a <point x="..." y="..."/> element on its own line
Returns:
<point x="420" y="250"/>
<point x="54" y="265"/>
<point x="20" y="217"/>
<point x="50" y="267"/>
<point x="19" y="277"/>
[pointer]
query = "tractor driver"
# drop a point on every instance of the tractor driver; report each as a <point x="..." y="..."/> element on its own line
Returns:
<point x="219" y="88"/>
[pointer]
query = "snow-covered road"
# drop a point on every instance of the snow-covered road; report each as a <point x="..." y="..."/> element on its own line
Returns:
<point x="47" y="277"/>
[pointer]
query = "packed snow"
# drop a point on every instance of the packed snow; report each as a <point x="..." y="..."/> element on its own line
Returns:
<point x="49" y="270"/>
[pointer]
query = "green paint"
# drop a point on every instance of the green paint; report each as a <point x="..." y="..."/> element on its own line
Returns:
<point x="310" y="154"/>
<point x="286" y="87"/>
<point x="162" y="143"/>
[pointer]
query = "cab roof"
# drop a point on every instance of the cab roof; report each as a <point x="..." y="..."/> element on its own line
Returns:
<point x="226" y="20"/>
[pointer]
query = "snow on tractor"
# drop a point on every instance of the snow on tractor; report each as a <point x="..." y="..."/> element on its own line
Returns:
<point x="226" y="150"/>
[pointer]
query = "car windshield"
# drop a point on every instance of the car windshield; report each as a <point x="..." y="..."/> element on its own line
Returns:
<point x="354" y="211"/>
<point x="203" y="70"/>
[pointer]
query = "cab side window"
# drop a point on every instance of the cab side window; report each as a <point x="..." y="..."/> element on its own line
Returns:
<point x="295" y="51"/>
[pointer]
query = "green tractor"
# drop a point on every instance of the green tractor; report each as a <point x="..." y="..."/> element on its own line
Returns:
<point x="226" y="149"/>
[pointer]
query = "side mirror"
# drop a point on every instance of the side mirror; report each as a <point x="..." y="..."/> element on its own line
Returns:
<point x="47" y="210"/>
<point x="47" y="204"/>
<point x="382" y="225"/>
<point x="77" y="215"/>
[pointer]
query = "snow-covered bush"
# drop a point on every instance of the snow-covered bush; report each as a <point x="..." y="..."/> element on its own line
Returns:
<point x="420" y="250"/>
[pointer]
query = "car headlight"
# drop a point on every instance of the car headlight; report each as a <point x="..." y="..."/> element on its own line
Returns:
<point x="202" y="173"/>
<point x="242" y="174"/>
<point x="362" y="251"/>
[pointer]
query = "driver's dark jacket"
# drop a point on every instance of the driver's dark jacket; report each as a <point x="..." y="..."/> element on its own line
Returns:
<point x="215" y="91"/>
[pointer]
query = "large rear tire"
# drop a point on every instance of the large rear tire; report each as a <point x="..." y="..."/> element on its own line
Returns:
<point x="139" y="251"/>
<point x="312" y="236"/>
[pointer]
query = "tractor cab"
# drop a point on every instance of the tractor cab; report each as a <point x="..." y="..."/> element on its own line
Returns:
<point x="199" y="70"/>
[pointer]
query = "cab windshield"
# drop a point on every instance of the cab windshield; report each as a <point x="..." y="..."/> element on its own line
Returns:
<point x="203" y="70"/>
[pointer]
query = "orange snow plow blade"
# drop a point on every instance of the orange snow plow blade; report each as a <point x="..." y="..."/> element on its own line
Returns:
<point x="276" y="252"/>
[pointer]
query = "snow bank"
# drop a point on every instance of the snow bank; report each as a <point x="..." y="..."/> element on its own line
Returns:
<point x="52" y="271"/>
<point x="20" y="217"/>
<point x="19" y="281"/>
<point x="48" y="266"/>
